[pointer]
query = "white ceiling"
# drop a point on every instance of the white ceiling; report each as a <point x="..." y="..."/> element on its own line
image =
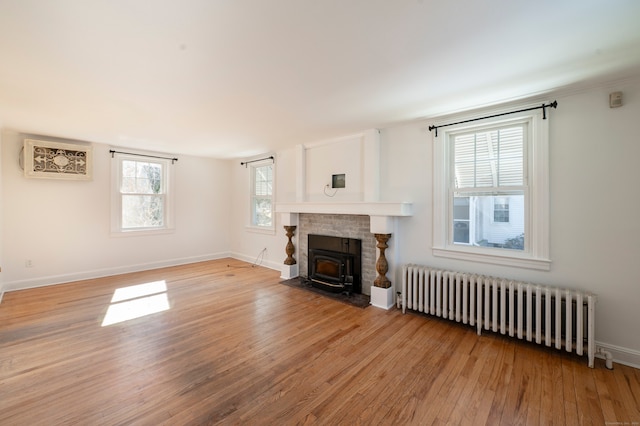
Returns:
<point x="235" y="78"/>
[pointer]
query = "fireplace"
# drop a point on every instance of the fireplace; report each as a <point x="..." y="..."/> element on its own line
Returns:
<point x="335" y="263"/>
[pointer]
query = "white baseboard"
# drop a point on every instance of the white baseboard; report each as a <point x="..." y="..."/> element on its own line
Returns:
<point x="258" y="262"/>
<point x="98" y="273"/>
<point x="621" y="355"/>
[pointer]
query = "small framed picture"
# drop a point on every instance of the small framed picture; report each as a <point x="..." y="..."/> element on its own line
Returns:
<point x="56" y="160"/>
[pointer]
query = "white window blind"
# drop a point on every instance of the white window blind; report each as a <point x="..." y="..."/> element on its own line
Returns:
<point x="489" y="159"/>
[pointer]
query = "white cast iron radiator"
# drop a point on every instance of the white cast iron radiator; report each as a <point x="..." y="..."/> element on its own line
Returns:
<point x="560" y="317"/>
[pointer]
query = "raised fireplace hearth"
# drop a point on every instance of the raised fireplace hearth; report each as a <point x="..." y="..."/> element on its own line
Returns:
<point x="335" y="263"/>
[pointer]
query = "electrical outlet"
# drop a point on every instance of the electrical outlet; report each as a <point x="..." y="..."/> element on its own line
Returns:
<point x="28" y="263"/>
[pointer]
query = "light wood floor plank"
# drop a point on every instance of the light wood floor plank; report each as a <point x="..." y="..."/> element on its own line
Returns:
<point x="238" y="347"/>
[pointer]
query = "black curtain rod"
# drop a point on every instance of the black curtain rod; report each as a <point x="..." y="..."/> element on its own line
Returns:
<point x="544" y="107"/>
<point x="244" y="163"/>
<point x="173" y="160"/>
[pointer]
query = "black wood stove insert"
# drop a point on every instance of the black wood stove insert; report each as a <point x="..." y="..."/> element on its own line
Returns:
<point x="335" y="263"/>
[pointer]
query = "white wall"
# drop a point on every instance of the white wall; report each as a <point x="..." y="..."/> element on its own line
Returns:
<point x="594" y="154"/>
<point x="323" y="160"/>
<point x="594" y="203"/>
<point x="1" y="239"/>
<point x="63" y="226"/>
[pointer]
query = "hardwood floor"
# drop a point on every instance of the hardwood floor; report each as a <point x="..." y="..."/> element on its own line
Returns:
<point x="237" y="347"/>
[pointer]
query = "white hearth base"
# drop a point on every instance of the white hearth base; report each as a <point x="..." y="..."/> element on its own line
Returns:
<point x="382" y="297"/>
<point x="288" y="271"/>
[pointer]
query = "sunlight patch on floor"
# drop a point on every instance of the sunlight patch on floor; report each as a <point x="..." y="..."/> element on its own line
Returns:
<point x="137" y="301"/>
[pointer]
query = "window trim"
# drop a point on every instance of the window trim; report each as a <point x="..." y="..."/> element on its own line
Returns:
<point x="536" y="253"/>
<point x="251" y="226"/>
<point x="116" y="195"/>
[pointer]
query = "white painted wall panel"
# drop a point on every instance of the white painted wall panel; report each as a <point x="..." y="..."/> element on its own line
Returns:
<point x="343" y="156"/>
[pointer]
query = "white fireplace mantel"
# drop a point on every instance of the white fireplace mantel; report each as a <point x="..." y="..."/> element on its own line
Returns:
<point x="357" y="208"/>
<point x="382" y="215"/>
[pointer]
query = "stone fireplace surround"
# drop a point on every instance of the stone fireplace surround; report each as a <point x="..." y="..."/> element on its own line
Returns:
<point x="338" y="225"/>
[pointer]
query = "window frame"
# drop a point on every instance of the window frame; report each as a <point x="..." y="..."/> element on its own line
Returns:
<point x="117" y="195"/>
<point x="252" y="225"/>
<point x="536" y="154"/>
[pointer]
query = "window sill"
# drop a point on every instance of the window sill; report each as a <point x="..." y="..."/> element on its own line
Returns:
<point x="514" y="261"/>
<point x="258" y="230"/>
<point x="142" y="232"/>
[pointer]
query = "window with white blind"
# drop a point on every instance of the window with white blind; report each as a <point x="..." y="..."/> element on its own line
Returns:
<point x="491" y="192"/>
<point x="488" y="170"/>
<point x="262" y="196"/>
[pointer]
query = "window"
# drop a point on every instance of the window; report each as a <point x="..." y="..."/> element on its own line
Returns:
<point x="262" y="196"/>
<point x="141" y="194"/>
<point x="488" y="171"/>
<point x="491" y="191"/>
<point x="501" y="209"/>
